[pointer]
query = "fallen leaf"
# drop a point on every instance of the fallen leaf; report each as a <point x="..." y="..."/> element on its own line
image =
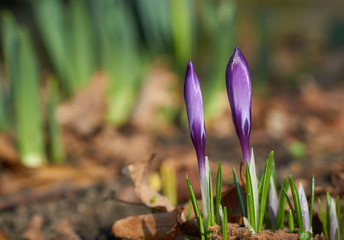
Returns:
<point x="64" y="231"/>
<point x="149" y="226"/>
<point x="4" y="237"/>
<point x="34" y="232"/>
<point x="8" y="153"/>
<point x="139" y="173"/>
<point x="84" y="113"/>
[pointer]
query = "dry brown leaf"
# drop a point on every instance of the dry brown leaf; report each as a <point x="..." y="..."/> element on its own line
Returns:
<point x="139" y="173"/>
<point x="149" y="226"/>
<point x="230" y="200"/>
<point x="8" y="153"/>
<point x="4" y="237"/>
<point x="84" y="113"/>
<point x="64" y="231"/>
<point x="45" y="177"/>
<point x="34" y="232"/>
<point x="160" y="91"/>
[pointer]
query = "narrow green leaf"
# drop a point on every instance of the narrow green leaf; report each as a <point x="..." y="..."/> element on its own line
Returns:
<point x="323" y="219"/>
<point x="297" y="204"/>
<point x="57" y="154"/>
<point x="289" y="203"/>
<point x="281" y="204"/>
<point x="224" y="224"/>
<point x="189" y="210"/>
<point x="291" y="223"/>
<point x="240" y="194"/>
<point x="265" y="190"/>
<point x="338" y="208"/>
<point x="212" y="215"/>
<point x="311" y="205"/>
<point x="218" y="192"/>
<point x="195" y="207"/>
<point x="250" y="200"/>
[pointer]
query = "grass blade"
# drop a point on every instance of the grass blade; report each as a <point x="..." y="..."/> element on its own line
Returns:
<point x="311" y="205"/>
<point x="323" y="219"/>
<point x="297" y="204"/>
<point x="224" y="224"/>
<point x="265" y="190"/>
<point x="57" y="154"/>
<point x="240" y="194"/>
<point x="211" y="210"/>
<point x="291" y="223"/>
<point x="218" y="192"/>
<point x="195" y="207"/>
<point x="281" y="204"/>
<point x="250" y="200"/>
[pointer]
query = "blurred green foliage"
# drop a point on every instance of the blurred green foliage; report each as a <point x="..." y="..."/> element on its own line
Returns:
<point x="122" y="38"/>
<point x="22" y="70"/>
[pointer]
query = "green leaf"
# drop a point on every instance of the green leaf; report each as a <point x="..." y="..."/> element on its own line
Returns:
<point x="323" y="219"/>
<point x="265" y="190"/>
<point x="218" y="192"/>
<point x="297" y="204"/>
<point x="57" y="154"/>
<point x="195" y="207"/>
<point x="289" y="203"/>
<point x="250" y="200"/>
<point x="291" y="223"/>
<point x="211" y="197"/>
<point x="240" y="194"/>
<point x="281" y="204"/>
<point x="224" y="224"/>
<point x="311" y="205"/>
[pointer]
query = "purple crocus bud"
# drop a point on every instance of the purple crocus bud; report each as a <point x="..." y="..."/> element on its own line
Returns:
<point x="333" y="221"/>
<point x="304" y="208"/>
<point x="195" y="111"/>
<point x="239" y="90"/>
<point x="273" y="202"/>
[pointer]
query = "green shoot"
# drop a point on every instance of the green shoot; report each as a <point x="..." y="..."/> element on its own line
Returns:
<point x="196" y="208"/>
<point x="311" y="205"/>
<point x="218" y="192"/>
<point x="57" y="154"/>
<point x="281" y="204"/>
<point x="265" y="190"/>
<point x="211" y="215"/>
<point x="291" y="223"/>
<point x="297" y="204"/>
<point x="224" y="224"/>
<point x="323" y="219"/>
<point x="240" y="194"/>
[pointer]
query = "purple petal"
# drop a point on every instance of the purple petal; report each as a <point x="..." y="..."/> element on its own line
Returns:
<point x="239" y="90"/>
<point x="195" y="112"/>
<point x="333" y="221"/>
<point x="304" y="208"/>
<point x="273" y="202"/>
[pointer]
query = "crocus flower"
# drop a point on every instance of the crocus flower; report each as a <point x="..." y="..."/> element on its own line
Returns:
<point x="333" y="221"/>
<point x="238" y="82"/>
<point x="195" y="112"/>
<point x="273" y="202"/>
<point x="304" y="208"/>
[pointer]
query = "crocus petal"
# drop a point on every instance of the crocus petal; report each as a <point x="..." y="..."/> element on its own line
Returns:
<point x="304" y="208"/>
<point x="273" y="202"/>
<point x="239" y="90"/>
<point x="195" y="111"/>
<point x="333" y="221"/>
